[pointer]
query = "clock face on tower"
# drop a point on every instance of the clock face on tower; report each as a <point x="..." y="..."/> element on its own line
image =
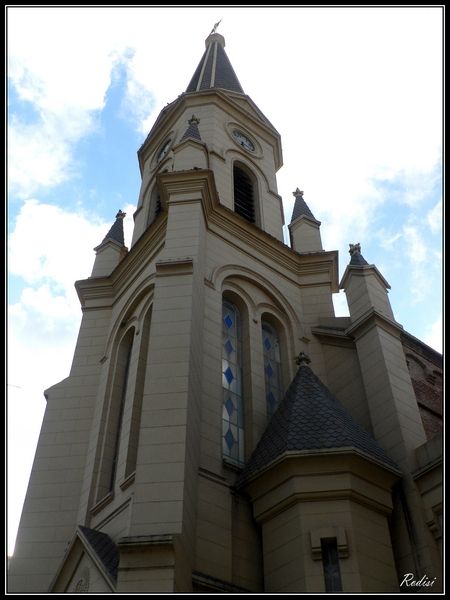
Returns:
<point x="164" y="150"/>
<point x="243" y="140"/>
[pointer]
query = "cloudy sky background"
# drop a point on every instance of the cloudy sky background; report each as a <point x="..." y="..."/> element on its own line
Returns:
<point x="356" y="94"/>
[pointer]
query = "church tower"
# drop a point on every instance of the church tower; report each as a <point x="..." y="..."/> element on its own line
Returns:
<point x="189" y="450"/>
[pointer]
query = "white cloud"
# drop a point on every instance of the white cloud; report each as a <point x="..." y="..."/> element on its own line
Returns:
<point x="434" y="217"/>
<point x="50" y="249"/>
<point x="434" y="335"/>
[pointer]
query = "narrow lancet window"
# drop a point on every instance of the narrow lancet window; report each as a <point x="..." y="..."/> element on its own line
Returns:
<point x="330" y="561"/>
<point x="232" y="408"/>
<point x="116" y="408"/>
<point x="272" y="367"/>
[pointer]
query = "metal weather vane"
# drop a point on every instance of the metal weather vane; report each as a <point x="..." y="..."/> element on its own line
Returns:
<point x="215" y="27"/>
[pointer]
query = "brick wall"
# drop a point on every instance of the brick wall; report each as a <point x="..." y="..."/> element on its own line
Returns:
<point x="425" y="367"/>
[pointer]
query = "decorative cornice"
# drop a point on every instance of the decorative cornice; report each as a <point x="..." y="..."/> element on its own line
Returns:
<point x="373" y="318"/>
<point x="95" y="288"/>
<point x="108" y="289"/>
<point x="308" y="268"/>
<point x="140" y="541"/>
<point x="333" y="337"/>
<point x="173" y="111"/>
<point x="175" y="266"/>
<point x="309" y="220"/>
<point x="362" y="271"/>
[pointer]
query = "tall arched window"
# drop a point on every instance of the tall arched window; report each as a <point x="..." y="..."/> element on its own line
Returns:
<point x="233" y="405"/>
<point x="244" y="193"/>
<point x="115" y="414"/>
<point x="272" y="367"/>
<point x="133" y="440"/>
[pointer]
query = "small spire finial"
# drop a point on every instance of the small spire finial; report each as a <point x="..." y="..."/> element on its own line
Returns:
<point x="298" y="193"/>
<point x="193" y="120"/>
<point x="215" y="27"/>
<point x="354" y="248"/>
<point x="302" y="359"/>
<point x="121" y="214"/>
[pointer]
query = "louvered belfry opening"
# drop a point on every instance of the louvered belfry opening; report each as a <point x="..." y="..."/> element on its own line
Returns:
<point x="244" y="202"/>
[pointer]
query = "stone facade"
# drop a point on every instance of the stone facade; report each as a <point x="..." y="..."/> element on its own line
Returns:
<point x="132" y="444"/>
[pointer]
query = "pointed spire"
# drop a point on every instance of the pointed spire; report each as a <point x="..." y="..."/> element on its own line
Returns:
<point x="192" y="131"/>
<point x="214" y="70"/>
<point x="310" y="418"/>
<point x="116" y="231"/>
<point x="356" y="257"/>
<point x="300" y="206"/>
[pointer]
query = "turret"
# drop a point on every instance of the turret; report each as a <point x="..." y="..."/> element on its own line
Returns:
<point x="112" y="249"/>
<point x="304" y="228"/>
<point x="365" y="287"/>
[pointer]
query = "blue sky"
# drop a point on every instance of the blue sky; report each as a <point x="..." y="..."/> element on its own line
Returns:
<point x="355" y="93"/>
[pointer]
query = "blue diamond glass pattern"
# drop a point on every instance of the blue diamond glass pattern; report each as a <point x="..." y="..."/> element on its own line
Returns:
<point x="229" y="439"/>
<point x="269" y="370"/>
<point x="229" y="406"/>
<point x="229" y="347"/>
<point x="267" y="343"/>
<point x="229" y="375"/>
<point x="228" y="321"/>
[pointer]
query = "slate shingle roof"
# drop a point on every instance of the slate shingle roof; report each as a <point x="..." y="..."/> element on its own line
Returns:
<point x="192" y="131"/>
<point x="216" y="73"/>
<point x="116" y="231"/>
<point x="104" y="547"/>
<point x="301" y="208"/>
<point x="358" y="259"/>
<point x="310" y="418"/>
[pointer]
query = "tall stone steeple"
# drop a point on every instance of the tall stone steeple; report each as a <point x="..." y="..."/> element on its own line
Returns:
<point x="229" y="136"/>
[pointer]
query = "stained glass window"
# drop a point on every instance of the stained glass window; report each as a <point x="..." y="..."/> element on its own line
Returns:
<point x="232" y="402"/>
<point x="272" y="367"/>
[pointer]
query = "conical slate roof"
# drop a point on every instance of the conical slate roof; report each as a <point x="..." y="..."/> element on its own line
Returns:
<point x="300" y="207"/>
<point x="358" y="259"/>
<point x="214" y="70"/>
<point x="310" y="418"/>
<point x="116" y="231"/>
<point x="192" y="130"/>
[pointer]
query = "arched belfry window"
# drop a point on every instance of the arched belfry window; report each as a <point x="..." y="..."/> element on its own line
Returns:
<point x="272" y="367"/>
<point x="244" y="186"/>
<point x="232" y="399"/>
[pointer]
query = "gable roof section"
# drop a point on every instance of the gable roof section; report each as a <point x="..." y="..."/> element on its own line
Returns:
<point x="100" y="549"/>
<point x="105" y="549"/>
<point x="309" y="420"/>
